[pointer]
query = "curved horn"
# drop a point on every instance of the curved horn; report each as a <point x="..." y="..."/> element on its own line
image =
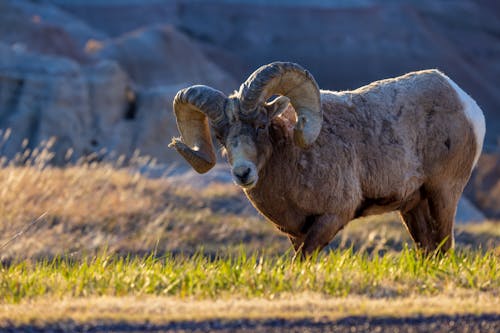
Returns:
<point x="193" y="107"/>
<point x="291" y="80"/>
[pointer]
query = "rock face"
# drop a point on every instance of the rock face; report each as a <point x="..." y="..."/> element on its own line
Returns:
<point x="468" y="213"/>
<point x="41" y="97"/>
<point x="484" y="187"/>
<point x="100" y="97"/>
<point x="44" y="29"/>
<point x="160" y="56"/>
<point x="100" y="76"/>
<point x="91" y="110"/>
<point x="346" y="45"/>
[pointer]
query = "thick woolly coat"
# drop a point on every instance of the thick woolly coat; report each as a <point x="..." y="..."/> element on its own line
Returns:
<point x="383" y="147"/>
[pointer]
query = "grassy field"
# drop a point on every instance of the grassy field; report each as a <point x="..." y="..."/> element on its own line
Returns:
<point x="266" y="286"/>
<point x="97" y="243"/>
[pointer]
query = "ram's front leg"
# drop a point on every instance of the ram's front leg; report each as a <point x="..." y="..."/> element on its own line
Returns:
<point x="321" y="233"/>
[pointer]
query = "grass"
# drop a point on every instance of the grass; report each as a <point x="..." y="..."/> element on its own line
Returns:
<point x="80" y="210"/>
<point x="89" y="207"/>
<point x="161" y="310"/>
<point x="95" y="242"/>
<point x="340" y="273"/>
<point x="449" y="284"/>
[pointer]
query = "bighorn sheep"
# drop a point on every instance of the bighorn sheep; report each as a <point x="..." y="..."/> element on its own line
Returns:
<point x="405" y="144"/>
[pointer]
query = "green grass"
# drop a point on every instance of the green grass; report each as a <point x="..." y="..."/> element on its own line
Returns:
<point x="338" y="273"/>
<point x="175" y="253"/>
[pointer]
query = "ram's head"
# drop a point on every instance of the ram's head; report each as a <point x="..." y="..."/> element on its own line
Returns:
<point x="241" y="121"/>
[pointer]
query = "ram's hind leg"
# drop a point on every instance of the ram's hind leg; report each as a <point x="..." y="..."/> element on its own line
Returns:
<point x="443" y="207"/>
<point x="417" y="220"/>
<point x="430" y="222"/>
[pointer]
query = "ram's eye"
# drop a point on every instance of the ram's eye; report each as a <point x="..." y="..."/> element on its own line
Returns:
<point x="261" y="126"/>
<point x="219" y="138"/>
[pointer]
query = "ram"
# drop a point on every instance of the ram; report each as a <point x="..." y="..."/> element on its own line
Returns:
<point x="404" y="144"/>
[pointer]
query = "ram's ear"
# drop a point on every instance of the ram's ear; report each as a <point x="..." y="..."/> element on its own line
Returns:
<point x="277" y="106"/>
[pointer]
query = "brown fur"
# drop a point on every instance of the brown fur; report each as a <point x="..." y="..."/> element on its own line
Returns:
<point x="399" y="144"/>
<point x="403" y="144"/>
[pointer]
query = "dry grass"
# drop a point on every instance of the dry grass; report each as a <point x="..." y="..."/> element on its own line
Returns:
<point x="86" y="208"/>
<point x="78" y="211"/>
<point x="93" y="206"/>
<point x="160" y="310"/>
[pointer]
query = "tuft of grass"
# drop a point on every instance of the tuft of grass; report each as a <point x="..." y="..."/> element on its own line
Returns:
<point x="339" y="273"/>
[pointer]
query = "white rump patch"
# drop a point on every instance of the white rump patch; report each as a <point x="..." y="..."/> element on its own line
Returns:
<point x="474" y="115"/>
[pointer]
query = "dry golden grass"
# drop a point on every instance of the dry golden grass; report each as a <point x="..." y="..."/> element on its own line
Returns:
<point x="89" y="207"/>
<point x="160" y="310"/>
<point x="80" y="210"/>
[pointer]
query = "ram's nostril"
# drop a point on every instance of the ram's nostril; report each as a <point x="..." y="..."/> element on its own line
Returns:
<point x="245" y="173"/>
<point x="242" y="173"/>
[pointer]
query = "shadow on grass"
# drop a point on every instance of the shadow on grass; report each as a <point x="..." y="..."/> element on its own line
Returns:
<point x="439" y="323"/>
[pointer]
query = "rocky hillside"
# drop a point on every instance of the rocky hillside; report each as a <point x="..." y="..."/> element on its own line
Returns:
<point x="345" y="44"/>
<point x="99" y="76"/>
<point x="100" y="95"/>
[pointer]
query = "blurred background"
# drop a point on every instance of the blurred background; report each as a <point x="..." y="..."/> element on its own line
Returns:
<point x="99" y="76"/>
